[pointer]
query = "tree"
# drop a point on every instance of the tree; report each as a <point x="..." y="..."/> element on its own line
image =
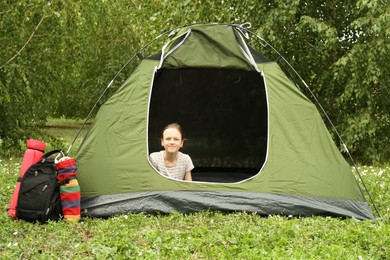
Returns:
<point x="364" y="71"/>
<point x="339" y="48"/>
<point x="22" y="104"/>
<point x="57" y="57"/>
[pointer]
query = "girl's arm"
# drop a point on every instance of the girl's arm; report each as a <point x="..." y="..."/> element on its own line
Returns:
<point x="188" y="176"/>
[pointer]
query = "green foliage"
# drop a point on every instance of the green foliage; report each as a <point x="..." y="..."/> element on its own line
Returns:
<point x="339" y="48"/>
<point x="57" y="57"/>
<point x="19" y="76"/>
<point x="364" y="71"/>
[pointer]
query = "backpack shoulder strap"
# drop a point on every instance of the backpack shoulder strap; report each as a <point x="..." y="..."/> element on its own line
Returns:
<point x="48" y="154"/>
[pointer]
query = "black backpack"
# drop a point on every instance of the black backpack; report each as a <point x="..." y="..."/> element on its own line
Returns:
<point x="39" y="195"/>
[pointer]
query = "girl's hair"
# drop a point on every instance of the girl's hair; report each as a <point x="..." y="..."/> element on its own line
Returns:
<point x="173" y="125"/>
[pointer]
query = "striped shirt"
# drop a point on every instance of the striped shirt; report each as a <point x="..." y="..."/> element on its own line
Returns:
<point x="178" y="170"/>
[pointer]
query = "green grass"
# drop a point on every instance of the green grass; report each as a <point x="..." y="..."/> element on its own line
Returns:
<point x="65" y="130"/>
<point x="205" y="235"/>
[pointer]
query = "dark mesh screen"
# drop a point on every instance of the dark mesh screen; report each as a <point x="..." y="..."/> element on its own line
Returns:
<point x="224" y="118"/>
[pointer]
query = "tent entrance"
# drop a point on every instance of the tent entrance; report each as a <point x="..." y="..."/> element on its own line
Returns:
<point x="223" y="113"/>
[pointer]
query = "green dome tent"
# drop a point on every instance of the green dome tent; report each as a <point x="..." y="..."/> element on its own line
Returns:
<point x="257" y="143"/>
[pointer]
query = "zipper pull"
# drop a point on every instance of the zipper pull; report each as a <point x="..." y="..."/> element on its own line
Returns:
<point x="44" y="187"/>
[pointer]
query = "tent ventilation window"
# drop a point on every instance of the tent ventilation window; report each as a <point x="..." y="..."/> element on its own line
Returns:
<point x="223" y="113"/>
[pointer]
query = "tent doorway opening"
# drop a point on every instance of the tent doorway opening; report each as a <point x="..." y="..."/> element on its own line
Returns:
<point x="224" y="116"/>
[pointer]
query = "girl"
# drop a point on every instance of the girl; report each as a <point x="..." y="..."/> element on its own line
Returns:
<point x="170" y="162"/>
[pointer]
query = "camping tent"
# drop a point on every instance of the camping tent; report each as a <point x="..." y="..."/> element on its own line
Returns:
<point x="257" y="143"/>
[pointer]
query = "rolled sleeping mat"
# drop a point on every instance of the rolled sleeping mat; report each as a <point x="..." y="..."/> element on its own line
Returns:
<point x="33" y="154"/>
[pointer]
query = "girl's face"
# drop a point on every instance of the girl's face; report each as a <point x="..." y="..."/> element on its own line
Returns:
<point x="172" y="140"/>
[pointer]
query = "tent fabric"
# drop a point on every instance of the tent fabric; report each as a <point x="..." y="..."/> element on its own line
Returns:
<point x="297" y="170"/>
<point x="194" y="201"/>
<point x="226" y="55"/>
